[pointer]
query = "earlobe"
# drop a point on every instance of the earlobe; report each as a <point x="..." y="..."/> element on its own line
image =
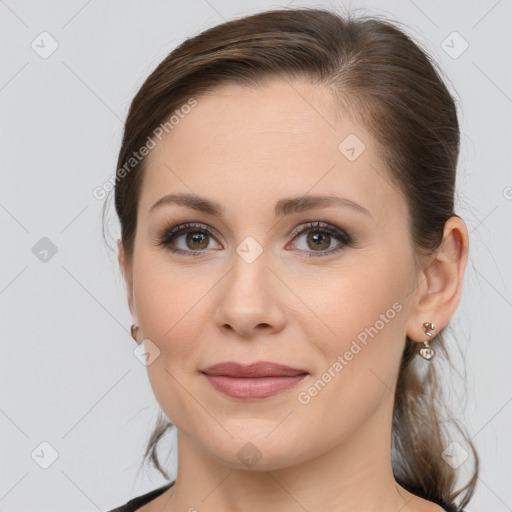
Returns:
<point x="440" y="286"/>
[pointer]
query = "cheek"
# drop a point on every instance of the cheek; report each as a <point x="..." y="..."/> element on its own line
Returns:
<point x="366" y="312"/>
<point x="168" y="305"/>
<point x="361" y="301"/>
<point x="175" y="310"/>
<point x="167" y="297"/>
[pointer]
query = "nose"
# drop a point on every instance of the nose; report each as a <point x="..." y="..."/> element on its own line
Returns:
<point x="249" y="300"/>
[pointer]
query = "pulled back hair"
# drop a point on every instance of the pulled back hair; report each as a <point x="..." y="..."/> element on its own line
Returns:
<point x="391" y="87"/>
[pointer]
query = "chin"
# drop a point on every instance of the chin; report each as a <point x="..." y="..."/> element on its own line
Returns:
<point x="257" y="452"/>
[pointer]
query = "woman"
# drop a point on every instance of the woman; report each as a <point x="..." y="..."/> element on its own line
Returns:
<point x="285" y="190"/>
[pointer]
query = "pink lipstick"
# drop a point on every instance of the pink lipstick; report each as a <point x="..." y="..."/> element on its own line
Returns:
<point x="254" y="381"/>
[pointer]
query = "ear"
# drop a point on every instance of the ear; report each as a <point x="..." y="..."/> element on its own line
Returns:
<point x="440" y="282"/>
<point x="126" y="269"/>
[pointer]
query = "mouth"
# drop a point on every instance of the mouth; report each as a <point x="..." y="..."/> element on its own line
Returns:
<point x="254" y="381"/>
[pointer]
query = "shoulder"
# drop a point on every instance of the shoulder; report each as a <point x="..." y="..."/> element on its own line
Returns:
<point x="418" y="502"/>
<point x="136" y="503"/>
<point x="423" y="503"/>
<point x="433" y="506"/>
<point x="441" y="505"/>
<point x="445" y="506"/>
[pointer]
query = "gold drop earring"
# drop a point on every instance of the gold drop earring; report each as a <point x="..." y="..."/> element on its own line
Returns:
<point x="426" y="351"/>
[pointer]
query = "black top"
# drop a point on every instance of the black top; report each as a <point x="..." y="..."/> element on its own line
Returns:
<point x="139" y="501"/>
<point x="135" y="503"/>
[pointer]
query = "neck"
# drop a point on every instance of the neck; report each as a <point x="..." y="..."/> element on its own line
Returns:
<point x="352" y="475"/>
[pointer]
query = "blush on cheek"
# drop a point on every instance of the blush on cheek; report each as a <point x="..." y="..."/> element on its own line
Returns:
<point x="372" y="338"/>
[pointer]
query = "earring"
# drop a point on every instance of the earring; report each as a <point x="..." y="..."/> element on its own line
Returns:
<point x="133" y="330"/>
<point x="426" y="351"/>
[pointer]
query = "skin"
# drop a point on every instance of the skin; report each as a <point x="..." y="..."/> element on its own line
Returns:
<point x="247" y="148"/>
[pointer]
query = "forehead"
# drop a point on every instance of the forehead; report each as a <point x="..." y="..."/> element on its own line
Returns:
<point x="256" y="143"/>
<point x="289" y="111"/>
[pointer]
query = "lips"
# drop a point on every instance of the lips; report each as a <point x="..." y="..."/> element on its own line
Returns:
<point x="253" y="370"/>
<point x="253" y="381"/>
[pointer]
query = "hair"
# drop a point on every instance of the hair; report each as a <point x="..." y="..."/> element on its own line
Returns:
<point x="385" y="82"/>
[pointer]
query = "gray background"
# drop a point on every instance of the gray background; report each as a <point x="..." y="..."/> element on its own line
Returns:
<point x="68" y="373"/>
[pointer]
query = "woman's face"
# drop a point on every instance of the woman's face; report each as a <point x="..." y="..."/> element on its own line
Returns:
<point x="333" y="301"/>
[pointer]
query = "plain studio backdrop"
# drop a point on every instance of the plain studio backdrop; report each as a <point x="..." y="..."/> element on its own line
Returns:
<point x="76" y="407"/>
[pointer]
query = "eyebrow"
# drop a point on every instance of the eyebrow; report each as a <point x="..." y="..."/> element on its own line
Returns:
<point x="282" y="208"/>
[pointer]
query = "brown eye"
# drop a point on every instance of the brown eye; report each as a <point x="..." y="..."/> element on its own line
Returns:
<point x="319" y="237"/>
<point x="196" y="238"/>
<point x="318" y="241"/>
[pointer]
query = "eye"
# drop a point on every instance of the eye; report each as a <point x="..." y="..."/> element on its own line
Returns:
<point x="196" y="238"/>
<point x="319" y="236"/>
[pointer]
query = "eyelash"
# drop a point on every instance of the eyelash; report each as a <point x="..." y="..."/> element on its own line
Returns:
<point x="320" y="227"/>
<point x="316" y="227"/>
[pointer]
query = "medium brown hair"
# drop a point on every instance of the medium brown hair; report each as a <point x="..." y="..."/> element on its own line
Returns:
<point x="389" y="85"/>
